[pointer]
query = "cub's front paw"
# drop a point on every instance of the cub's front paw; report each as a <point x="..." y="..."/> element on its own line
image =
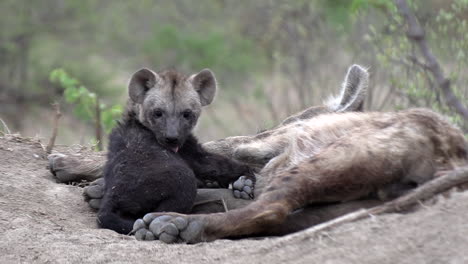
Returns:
<point x="94" y="192"/>
<point x="243" y="188"/>
<point x="211" y="184"/>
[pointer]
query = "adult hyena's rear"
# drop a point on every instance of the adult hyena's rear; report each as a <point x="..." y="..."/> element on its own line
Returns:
<point x="339" y="157"/>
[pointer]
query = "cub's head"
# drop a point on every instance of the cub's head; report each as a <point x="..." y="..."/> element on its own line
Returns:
<point x="169" y="103"/>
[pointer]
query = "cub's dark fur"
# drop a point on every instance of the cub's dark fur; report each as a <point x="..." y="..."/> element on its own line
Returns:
<point x="154" y="162"/>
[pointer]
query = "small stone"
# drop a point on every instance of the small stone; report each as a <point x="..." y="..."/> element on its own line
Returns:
<point x="237" y="194"/>
<point x="209" y="185"/>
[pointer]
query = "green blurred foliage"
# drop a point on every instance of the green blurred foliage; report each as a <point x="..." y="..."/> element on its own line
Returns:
<point x="271" y="58"/>
<point x="192" y="50"/>
<point x="447" y="35"/>
<point x="84" y="101"/>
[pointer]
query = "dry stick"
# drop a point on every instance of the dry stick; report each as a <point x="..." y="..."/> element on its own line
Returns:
<point x="416" y="34"/>
<point x="427" y="190"/>
<point x="224" y="205"/>
<point x="58" y="114"/>
<point x="98" y="125"/>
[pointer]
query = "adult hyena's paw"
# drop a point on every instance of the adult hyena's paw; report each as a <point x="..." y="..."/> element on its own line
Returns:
<point x="93" y="193"/>
<point x="243" y="188"/>
<point x="168" y="228"/>
<point x="58" y="166"/>
<point x="141" y="231"/>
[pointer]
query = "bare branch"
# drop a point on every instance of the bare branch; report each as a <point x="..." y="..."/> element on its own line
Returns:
<point x="98" y="125"/>
<point x="416" y="34"/>
<point x="58" y="114"/>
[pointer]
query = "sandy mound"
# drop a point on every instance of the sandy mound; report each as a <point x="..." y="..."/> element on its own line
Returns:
<point x="46" y="222"/>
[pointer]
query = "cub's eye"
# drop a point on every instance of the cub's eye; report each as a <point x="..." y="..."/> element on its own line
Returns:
<point x="187" y="114"/>
<point x="158" y="113"/>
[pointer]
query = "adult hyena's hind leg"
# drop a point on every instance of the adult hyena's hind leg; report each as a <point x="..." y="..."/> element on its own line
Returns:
<point x="69" y="168"/>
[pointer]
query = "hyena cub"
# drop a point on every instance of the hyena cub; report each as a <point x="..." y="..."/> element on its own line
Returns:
<point x="154" y="162"/>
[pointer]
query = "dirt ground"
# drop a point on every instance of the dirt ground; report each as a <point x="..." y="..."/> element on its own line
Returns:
<point x="42" y="221"/>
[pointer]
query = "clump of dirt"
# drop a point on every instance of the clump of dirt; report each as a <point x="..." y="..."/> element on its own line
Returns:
<point x="46" y="222"/>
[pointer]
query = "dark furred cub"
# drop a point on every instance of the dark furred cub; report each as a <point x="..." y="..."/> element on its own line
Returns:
<point x="154" y="162"/>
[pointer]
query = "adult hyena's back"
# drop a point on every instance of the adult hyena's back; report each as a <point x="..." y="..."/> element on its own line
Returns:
<point x="380" y="148"/>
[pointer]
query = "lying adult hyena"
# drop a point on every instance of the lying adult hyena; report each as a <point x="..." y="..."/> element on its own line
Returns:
<point x="329" y="158"/>
<point x="153" y="159"/>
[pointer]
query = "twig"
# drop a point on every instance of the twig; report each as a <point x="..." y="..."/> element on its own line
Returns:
<point x="98" y="125"/>
<point x="425" y="191"/>
<point x="224" y="205"/>
<point x="58" y="114"/>
<point x="5" y="126"/>
<point x="416" y="34"/>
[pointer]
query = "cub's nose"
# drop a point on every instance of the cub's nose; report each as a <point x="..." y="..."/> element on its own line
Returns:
<point x="172" y="140"/>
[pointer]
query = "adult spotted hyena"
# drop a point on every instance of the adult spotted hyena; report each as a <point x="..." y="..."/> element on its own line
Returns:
<point x="333" y="157"/>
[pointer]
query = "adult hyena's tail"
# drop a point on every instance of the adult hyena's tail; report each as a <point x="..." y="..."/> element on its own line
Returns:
<point x="353" y="91"/>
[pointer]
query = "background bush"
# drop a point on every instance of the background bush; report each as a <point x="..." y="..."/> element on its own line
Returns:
<point x="271" y="58"/>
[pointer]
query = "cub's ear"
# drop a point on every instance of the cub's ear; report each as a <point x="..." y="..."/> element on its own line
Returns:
<point x="204" y="83"/>
<point x="140" y="83"/>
